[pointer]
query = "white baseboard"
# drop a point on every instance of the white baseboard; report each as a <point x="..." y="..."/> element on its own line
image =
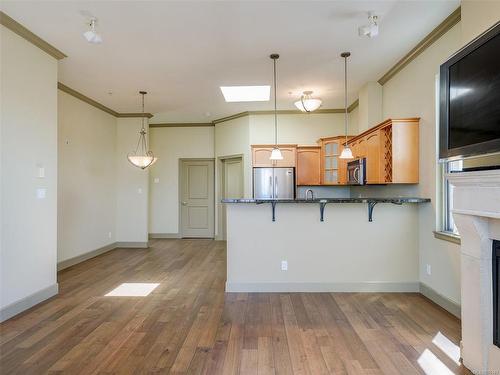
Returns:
<point x="25" y="303"/>
<point x="451" y="306"/>
<point x="164" y="235"/>
<point x="133" y="245"/>
<point x="81" y="258"/>
<point x="370" y="286"/>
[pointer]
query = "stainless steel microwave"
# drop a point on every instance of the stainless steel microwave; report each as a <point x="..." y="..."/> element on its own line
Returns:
<point x="356" y="172"/>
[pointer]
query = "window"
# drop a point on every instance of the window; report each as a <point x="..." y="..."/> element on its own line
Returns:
<point x="449" y="224"/>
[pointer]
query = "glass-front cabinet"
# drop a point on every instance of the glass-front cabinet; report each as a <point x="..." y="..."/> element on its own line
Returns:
<point x="333" y="169"/>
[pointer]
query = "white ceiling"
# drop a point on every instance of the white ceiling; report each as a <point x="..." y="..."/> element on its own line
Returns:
<point x="182" y="51"/>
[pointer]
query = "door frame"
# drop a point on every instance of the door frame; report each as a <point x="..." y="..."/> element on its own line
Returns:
<point x="221" y="236"/>
<point x="179" y="191"/>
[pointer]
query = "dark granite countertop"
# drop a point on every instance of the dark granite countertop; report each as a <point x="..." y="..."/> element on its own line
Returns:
<point x="397" y="200"/>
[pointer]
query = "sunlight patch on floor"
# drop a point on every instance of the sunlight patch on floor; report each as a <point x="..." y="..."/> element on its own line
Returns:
<point x="447" y="346"/>
<point x="432" y="365"/>
<point x="132" y="290"/>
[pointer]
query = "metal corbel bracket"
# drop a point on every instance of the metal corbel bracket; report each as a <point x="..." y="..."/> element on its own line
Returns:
<point x="273" y="205"/>
<point x="322" y="206"/>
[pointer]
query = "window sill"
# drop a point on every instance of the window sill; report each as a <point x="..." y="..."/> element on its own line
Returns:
<point x="447" y="236"/>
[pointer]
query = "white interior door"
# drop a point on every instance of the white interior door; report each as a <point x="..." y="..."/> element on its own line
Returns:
<point x="197" y="198"/>
<point x="232" y="185"/>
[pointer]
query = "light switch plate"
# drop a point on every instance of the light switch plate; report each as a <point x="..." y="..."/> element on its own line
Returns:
<point x="41" y="172"/>
<point x="284" y="265"/>
<point x="156" y="180"/>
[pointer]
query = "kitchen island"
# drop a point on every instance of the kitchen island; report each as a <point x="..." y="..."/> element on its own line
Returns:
<point x="323" y="245"/>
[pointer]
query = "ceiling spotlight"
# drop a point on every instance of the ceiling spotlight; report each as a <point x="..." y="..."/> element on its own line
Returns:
<point x="307" y="103"/>
<point x="371" y="29"/>
<point x="91" y="35"/>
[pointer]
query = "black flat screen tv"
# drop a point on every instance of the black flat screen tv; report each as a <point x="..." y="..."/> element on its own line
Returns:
<point x="469" y="105"/>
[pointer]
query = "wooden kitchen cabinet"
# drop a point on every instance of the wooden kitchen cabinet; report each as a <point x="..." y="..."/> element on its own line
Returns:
<point x="308" y="165"/>
<point x="373" y="155"/>
<point x="391" y="151"/>
<point x="333" y="169"/>
<point x="262" y="153"/>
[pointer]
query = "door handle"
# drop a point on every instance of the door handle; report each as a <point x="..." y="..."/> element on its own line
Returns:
<point x="271" y="186"/>
<point x="184" y="203"/>
<point x="356" y="174"/>
<point x="275" y="187"/>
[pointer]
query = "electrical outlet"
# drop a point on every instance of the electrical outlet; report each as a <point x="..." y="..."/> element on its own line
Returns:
<point x="284" y="265"/>
<point x="428" y="269"/>
<point x="156" y="180"/>
<point x="41" y="193"/>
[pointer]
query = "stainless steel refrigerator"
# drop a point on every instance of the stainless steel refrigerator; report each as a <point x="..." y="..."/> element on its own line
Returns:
<point x="273" y="183"/>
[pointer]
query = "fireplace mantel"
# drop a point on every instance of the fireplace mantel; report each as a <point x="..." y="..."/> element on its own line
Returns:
<point x="476" y="211"/>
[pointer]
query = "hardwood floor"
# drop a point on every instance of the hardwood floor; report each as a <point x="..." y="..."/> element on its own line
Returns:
<point x="188" y="325"/>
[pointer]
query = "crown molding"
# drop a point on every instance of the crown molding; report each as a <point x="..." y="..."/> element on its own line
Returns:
<point x="287" y="112"/>
<point x="425" y="43"/>
<point x="139" y="114"/>
<point x="92" y="102"/>
<point x="86" y="99"/>
<point x="23" y="32"/>
<point x="353" y="106"/>
<point x="181" y="124"/>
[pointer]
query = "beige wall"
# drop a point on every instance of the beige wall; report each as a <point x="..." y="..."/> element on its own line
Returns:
<point x="370" y="106"/>
<point x="170" y="145"/>
<point x="86" y="183"/>
<point x="132" y="186"/>
<point x="28" y="136"/>
<point x="412" y="92"/>
<point x="477" y="17"/>
<point x="302" y="129"/>
<point x="343" y="253"/>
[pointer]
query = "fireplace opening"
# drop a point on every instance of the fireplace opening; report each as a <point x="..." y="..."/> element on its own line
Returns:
<point x="496" y="292"/>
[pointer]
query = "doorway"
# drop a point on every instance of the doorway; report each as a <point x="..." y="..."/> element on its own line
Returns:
<point x="196" y="193"/>
<point x="231" y="186"/>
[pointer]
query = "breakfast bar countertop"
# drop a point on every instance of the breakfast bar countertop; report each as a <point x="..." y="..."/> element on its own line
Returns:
<point x="396" y="200"/>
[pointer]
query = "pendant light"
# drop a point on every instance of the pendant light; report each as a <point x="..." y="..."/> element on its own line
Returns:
<point x="142" y="157"/>
<point x="346" y="152"/>
<point x="276" y="152"/>
<point x="307" y="103"/>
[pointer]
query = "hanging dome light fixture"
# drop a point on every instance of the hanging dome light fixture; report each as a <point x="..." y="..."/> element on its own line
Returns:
<point x="346" y="152"/>
<point x="142" y="157"/>
<point x="276" y="152"/>
<point x="307" y="103"/>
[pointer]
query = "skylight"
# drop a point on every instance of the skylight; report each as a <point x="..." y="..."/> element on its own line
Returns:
<point x="246" y="93"/>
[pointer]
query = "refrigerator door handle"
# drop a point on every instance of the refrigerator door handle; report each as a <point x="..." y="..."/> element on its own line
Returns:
<point x="276" y="187"/>
<point x="271" y="186"/>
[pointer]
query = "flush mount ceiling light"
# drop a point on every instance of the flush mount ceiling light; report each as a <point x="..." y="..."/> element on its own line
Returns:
<point x="246" y="93"/>
<point x="371" y="29"/>
<point x="91" y="35"/>
<point x="307" y="103"/>
<point x="142" y="157"/>
<point x="276" y="152"/>
<point x="346" y="152"/>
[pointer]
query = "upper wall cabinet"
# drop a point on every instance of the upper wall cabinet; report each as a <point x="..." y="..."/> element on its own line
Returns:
<point x="391" y="151"/>
<point x="333" y="169"/>
<point x="262" y="153"/>
<point x="308" y="165"/>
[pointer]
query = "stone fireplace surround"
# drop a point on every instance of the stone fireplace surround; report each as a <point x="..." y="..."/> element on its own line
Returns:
<point x="476" y="211"/>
